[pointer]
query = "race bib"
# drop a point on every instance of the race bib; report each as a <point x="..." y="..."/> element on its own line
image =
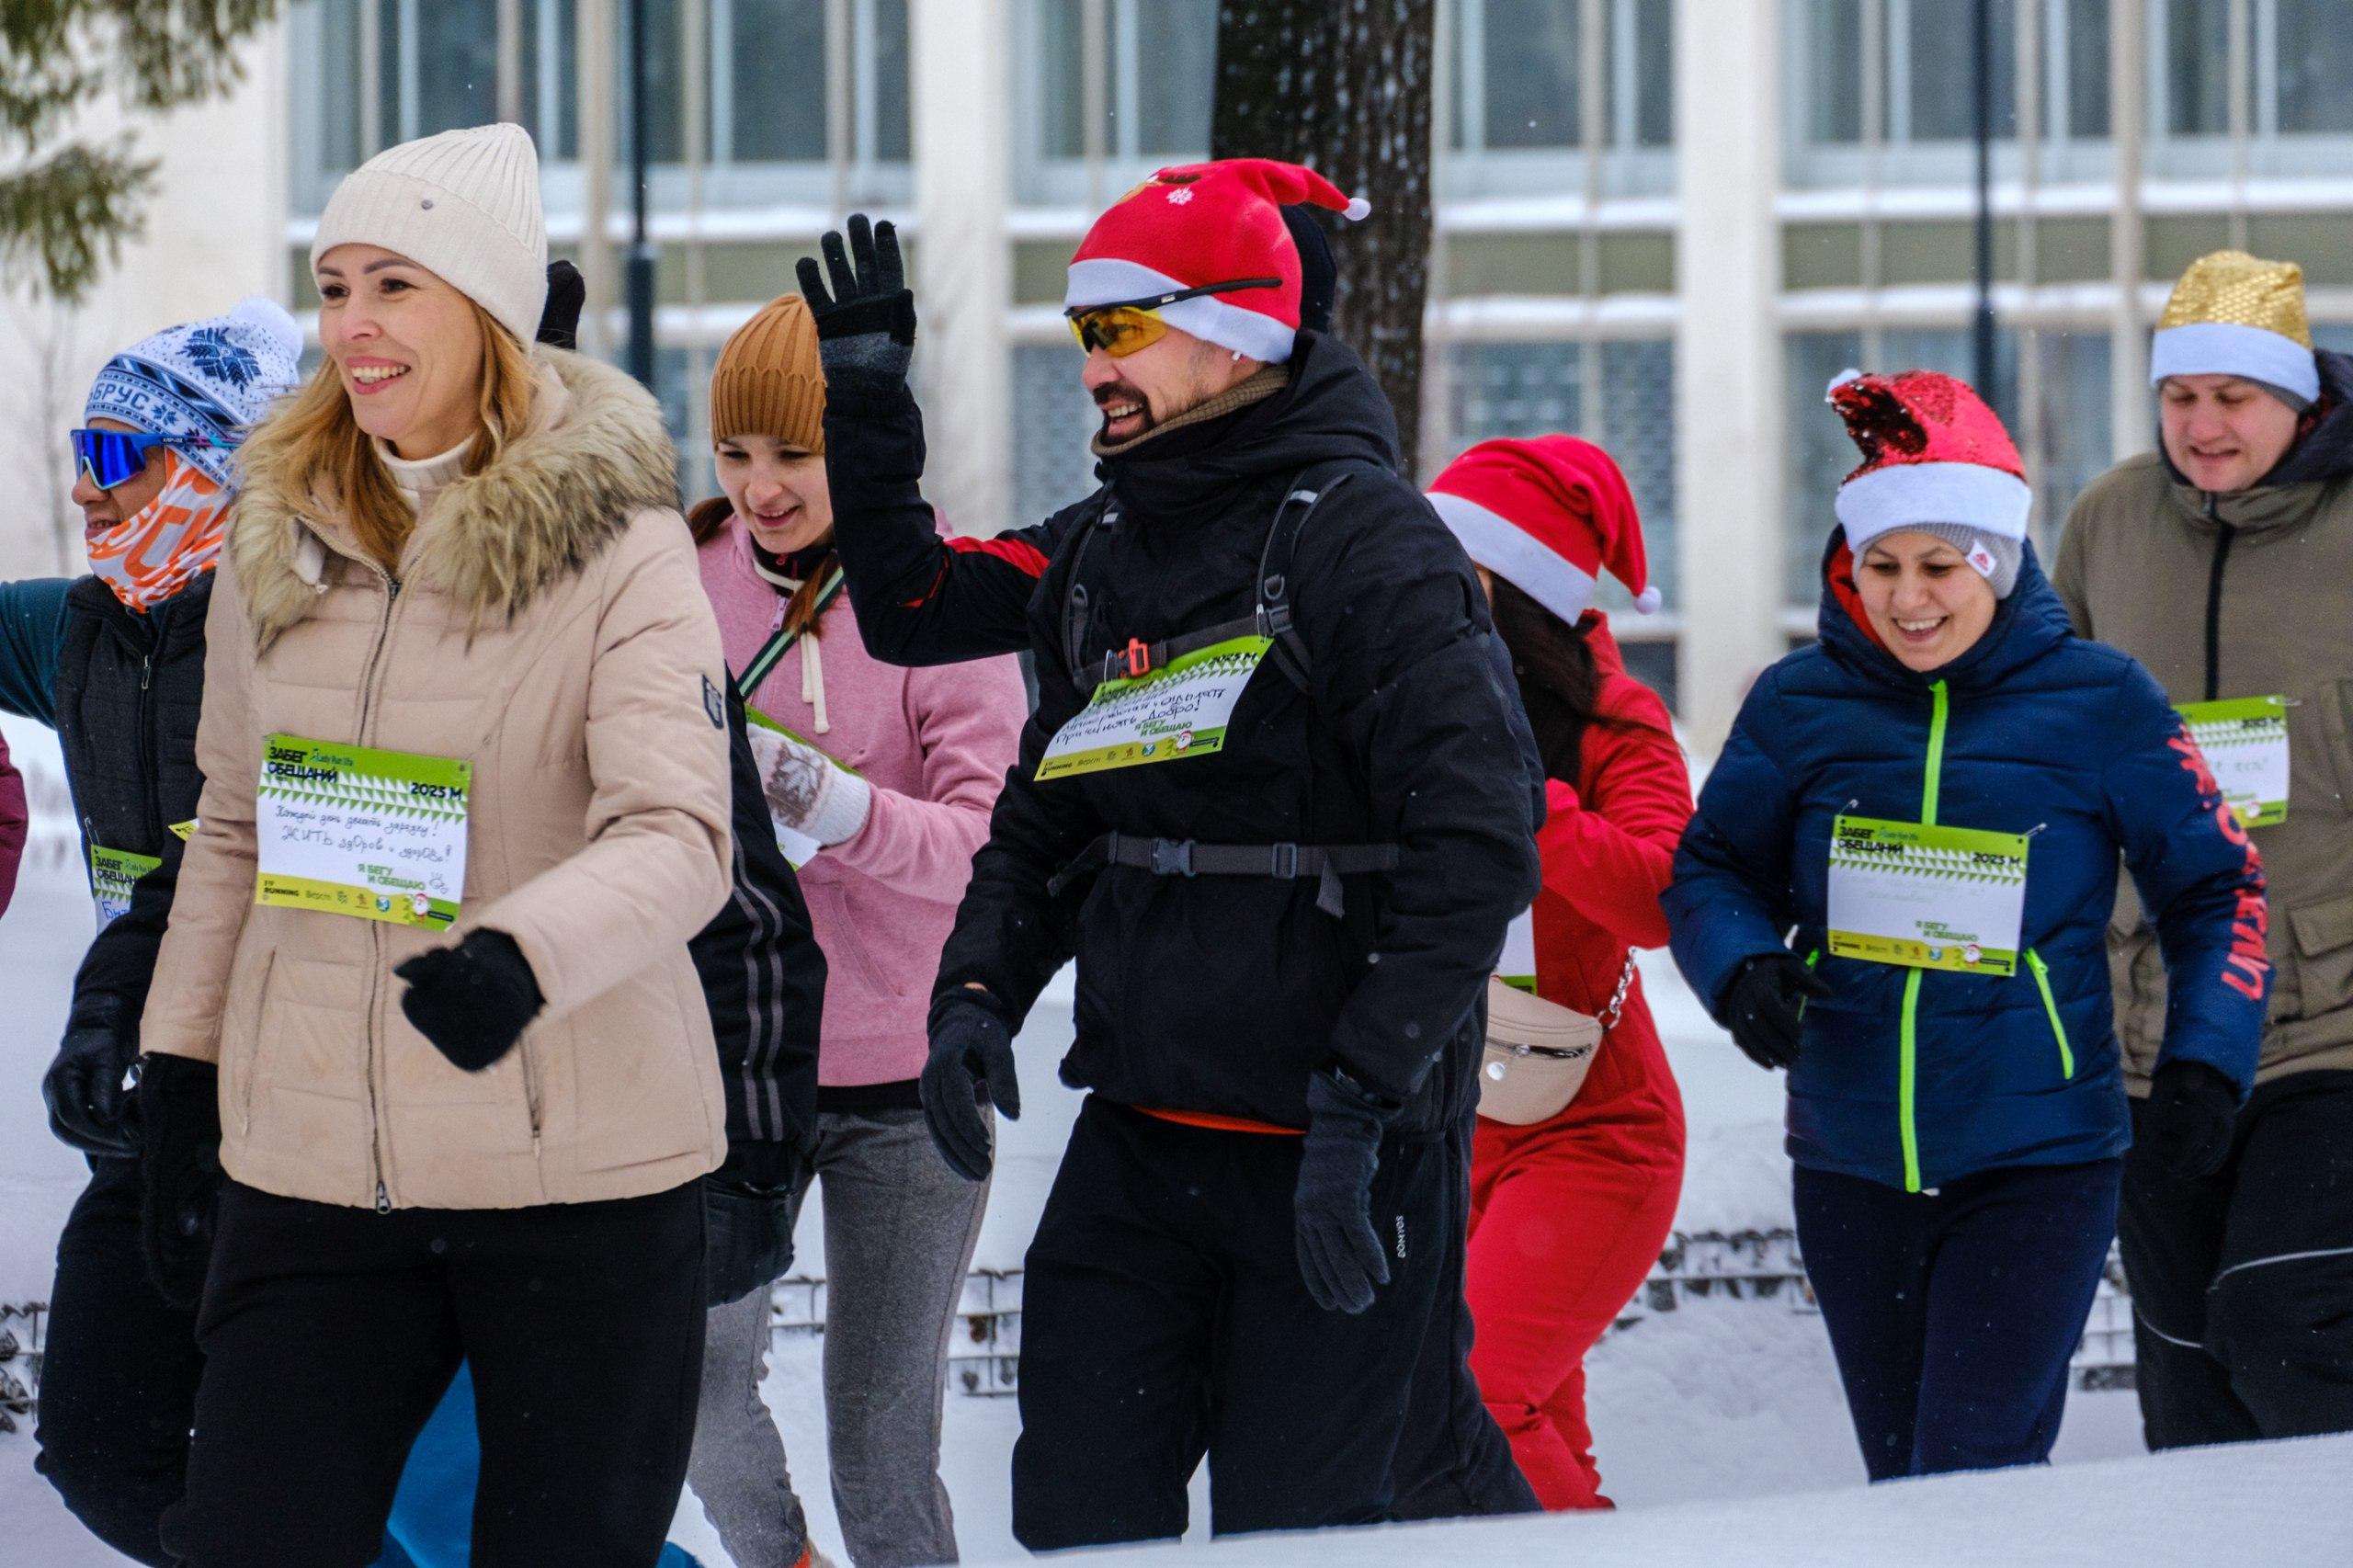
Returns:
<point x="1517" y="969"/>
<point x="346" y="830"/>
<point x="113" y="873"/>
<point x="797" y="846"/>
<point x="1902" y="892"/>
<point x="2245" y="742"/>
<point x="1162" y="716"/>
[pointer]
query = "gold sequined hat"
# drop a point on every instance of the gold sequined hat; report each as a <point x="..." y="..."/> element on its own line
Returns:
<point x="2234" y="315"/>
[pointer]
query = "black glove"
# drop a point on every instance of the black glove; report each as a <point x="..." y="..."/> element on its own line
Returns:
<point x="748" y="1208"/>
<point x="971" y="1054"/>
<point x="2192" y="1116"/>
<point x="559" y="317"/>
<point x="1764" y="1004"/>
<point x="471" y="1001"/>
<point x="1340" y="1254"/>
<point x="866" y="323"/>
<point x="85" y="1093"/>
<point x="179" y="1170"/>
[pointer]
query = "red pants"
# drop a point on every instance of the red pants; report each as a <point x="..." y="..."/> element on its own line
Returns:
<point x="1567" y="1219"/>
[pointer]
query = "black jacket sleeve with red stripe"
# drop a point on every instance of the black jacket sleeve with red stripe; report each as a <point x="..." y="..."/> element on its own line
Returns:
<point x="920" y="598"/>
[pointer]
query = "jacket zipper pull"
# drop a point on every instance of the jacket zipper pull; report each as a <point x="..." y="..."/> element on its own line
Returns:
<point x="383" y="1198"/>
<point x="146" y="670"/>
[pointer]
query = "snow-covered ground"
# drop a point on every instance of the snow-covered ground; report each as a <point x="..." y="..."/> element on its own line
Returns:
<point x="1717" y="1402"/>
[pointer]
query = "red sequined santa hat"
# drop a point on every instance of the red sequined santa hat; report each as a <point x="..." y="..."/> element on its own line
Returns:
<point x="1199" y="224"/>
<point x="1934" y="455"/>
<point x="1547" y="515"/>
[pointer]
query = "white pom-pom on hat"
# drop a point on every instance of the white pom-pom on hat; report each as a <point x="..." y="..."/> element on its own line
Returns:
<point x="1648" y="601"/>
<point x="1357" y="210"/>
<point x="270" y="316"/>
<point x="1841" y="378"/>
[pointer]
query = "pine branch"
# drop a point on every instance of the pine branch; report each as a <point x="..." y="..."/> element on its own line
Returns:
<point x="64" y="218"/>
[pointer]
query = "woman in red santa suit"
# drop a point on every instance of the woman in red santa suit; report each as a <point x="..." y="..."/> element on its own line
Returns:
<point x="1569" y="1212"/>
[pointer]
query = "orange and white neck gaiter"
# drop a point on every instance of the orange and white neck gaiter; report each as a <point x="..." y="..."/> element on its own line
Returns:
<point x="175" y="538"/>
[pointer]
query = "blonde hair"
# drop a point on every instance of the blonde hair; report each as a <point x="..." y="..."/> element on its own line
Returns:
<point x="320" y="449"/>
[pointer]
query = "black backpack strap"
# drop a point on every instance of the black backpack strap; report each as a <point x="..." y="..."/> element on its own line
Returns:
<point x="1324" y="864"/>
<point x="1076" y="609"/>
<point x="1308" y="489"/>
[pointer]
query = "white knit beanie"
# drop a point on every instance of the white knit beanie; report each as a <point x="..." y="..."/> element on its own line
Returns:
<point x="465" y="206"/>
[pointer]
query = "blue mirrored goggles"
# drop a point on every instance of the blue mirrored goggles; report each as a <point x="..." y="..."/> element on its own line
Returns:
<point x="110" y="456"/>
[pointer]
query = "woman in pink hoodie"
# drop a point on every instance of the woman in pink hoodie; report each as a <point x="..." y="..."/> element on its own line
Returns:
<point x="881" y="780"/>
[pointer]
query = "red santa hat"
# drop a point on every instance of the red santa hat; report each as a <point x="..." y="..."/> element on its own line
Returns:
<point x="1547" y="515"/>
<point x="1203" y="223"/>
<point x="1934" y="455"/>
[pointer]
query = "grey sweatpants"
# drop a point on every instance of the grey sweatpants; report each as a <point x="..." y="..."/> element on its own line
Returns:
<point x="900" y="1227"/>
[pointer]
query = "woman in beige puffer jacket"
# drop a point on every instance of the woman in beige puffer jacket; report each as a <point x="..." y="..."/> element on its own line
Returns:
<point x="479" y="1141"/>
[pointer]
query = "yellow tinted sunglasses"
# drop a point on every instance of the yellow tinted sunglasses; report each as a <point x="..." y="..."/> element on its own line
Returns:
<point x="1125" y="326"/>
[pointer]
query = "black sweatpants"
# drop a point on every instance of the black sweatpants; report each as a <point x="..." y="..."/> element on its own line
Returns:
<point x="119" y="1374"/>
<point x="1954" y="1313"/>
<point x="1163" y="1315"/>
<point x="2243" y="1282"/>
<point x="330" y="1333"/>
<point x="1453" y="1461"/>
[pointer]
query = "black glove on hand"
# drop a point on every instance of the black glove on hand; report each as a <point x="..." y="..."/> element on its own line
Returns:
<point x="179" y="1171"/>
<point x="2192" y="1116"/>
<point x="471" y="1001"/>
<point x="748" y="1221"/>
<point x="85" y="1093"/>
<point x="866" y="323"/>
<point x="559" y="317"/>
<point x="1764" y="1004"/>
<point x="972" y="1052"/>
<point x="1340" y="1254"/>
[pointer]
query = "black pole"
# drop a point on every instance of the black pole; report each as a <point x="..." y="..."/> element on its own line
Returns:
<point x="640" y="250"/>
<point x="1982" y="93"/>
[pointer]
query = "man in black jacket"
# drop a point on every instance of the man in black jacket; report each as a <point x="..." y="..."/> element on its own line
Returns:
<point x="1282" y="842"/>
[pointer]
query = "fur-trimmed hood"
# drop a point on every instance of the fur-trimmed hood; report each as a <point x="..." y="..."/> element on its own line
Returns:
<point x="596" y="454"/>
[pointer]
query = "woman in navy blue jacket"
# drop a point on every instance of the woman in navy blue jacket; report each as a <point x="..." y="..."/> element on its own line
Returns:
<point x="1957" y="1114"/>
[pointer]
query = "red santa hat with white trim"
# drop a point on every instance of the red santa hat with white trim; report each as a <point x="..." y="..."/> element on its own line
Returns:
<point x="1547" y="515"/>
<point x="1936" y="460"/>
<point x="1197" y="224"/>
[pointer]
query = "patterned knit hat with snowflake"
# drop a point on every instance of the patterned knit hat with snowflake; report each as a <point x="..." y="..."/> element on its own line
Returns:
<point x="1199" y="224"/>
<point x="213" y="379"/>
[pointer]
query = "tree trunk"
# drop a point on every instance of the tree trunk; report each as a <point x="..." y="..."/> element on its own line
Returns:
<point x="1344" y="89"/>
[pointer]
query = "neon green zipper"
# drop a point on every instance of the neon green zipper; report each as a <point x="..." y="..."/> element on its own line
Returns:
<point x="1907" y="1060"/>
<point x="2050" y="1005"/>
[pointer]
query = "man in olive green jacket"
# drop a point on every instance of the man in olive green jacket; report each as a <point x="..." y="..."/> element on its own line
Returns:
<point x="2224" y="564"/>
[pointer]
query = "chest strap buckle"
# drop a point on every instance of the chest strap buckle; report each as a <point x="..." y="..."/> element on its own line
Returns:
<point x="1127" y="662"/>
<point x="1172" y="857"/>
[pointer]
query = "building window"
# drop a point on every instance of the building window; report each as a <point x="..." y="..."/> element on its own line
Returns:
<point x="1517" y="119"/>
<point x="1054" y="419"/>
<point x="759" y="77"/>
<point x="1879" y="91"/>
<point x="2293" y="78"/>
<point x="1534" y="389"/>
<point x="1111" y="91"/>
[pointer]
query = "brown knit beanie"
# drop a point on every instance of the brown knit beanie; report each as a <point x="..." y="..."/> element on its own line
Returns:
<point x="767" y="381"/>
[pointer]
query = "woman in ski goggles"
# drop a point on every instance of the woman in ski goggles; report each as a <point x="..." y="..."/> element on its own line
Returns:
<point x="110" y="456"/>
<point x="1121" y="328"/>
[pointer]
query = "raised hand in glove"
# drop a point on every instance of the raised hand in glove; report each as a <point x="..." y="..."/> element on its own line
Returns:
<point x="972" y="1054"/>
<point x="866" y="320"/>
<point x="1765" y="1004"/>
<point x="179" y="1172"/>
<point x="471" y="1001"/>
<point x="1340" y="1254"/>
<point x="85" y="1092"/>
<point x="2191" y="1118"/>
<point x="805" y="791"/>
